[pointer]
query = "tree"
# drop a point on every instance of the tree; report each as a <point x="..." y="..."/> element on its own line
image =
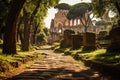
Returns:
<point x="28" y="23"/>
<point x="81" y="11"/>
<point x="62" y="6"/>
<point x="36" y="11"/>
<point x="100" y="7"/>
<point x="4" y="5"/>
<point x="9" y="44"/>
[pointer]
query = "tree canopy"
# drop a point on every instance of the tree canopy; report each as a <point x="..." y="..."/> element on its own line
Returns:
<point x="81" y="11"/>
<point x="62" y="6"/>
<point x="4" y="5"/>
<point x="78" y="10"/>
<point x="102" y="6"/>
<point x="32" y="11"/>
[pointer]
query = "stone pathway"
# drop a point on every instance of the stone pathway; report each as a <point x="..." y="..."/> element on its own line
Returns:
<point x="58" y="67"/>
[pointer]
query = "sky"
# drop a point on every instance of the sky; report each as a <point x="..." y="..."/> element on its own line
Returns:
<point x="52" y="11"/>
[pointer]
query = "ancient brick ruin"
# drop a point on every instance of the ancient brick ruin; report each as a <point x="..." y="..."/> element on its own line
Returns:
<point x="60" y="23"/>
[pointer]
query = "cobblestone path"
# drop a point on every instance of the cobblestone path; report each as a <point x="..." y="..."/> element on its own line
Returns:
<point x="58" y="67"/>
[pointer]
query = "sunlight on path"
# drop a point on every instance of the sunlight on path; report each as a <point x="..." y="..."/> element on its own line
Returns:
<point x="57" y="67"/>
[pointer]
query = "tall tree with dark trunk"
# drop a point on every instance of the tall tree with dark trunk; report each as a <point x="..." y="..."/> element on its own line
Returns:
<point x="28" y="25"/>
<point x="35" y="8"/>
<point x="9" y="45"/>
<point x="4" y="5"/>
<point x="27" y="28"/>
<point x="34" y="36"/>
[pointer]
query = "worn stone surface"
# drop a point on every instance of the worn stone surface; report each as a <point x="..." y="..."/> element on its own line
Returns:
<point x="58" y="67"/>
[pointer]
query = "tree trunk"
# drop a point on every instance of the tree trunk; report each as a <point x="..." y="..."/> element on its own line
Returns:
<point x="34" y="36"/>
<point x="34" y="39"/>
<point x="85" y="29"/>
<point x="19" y="31"/>
<point x="9" y="44"/>
<point x="27" y="29"/>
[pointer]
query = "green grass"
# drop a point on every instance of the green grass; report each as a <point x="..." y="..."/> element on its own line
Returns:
<point x="12" y="58"/>
<point x="103" y="41"/>
<point x="93" y="54"/>
<point x="7" y="58"/>
<point x="23" y="54"/>
<point x="55" y="46"/>
<point x="101" y="55"/>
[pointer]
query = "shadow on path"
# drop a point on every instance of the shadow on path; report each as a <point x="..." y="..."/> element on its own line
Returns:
<point x="58" y="67"/>
<point x="58" y="74"/>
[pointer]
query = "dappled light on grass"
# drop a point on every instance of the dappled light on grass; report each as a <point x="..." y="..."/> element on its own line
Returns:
<point x="6" y="58"/>
<point x="8" y="63"/>
<point x="101" y="55"/>
<point x="93" y="54"/>
<point x="23" y="54"/>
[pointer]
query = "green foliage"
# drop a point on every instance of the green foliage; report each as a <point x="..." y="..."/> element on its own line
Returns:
<point x="113" y="58"/>
<point x="100" y="7"/>
<point x="9" y="63"/>
<point x="104" y="41"/>
<point x="4" y="7"/>
<point x="30" y="6"/>
<point x="62" y="6"/>
<point x="78" y="10"/>
<point x="102" y="23"/>
<point x="43" y="33"/>
<point x="46" y="31"/>
<point x="41" y="37"/>
<point x="67" y="53"/>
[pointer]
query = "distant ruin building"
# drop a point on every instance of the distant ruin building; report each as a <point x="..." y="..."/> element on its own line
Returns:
<point x="60" y="23"/>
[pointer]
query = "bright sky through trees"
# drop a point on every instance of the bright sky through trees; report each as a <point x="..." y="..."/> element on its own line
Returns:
<point x="52" y="11"/>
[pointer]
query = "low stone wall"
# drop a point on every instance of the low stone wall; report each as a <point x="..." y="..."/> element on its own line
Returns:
<point x="89" y="39"/>
<point x="68" y="37"/>
<point x="77" y="41"/>
<point x="115" y="40"/>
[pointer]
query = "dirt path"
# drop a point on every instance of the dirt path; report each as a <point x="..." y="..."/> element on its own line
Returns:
<point x="58" y="67"/>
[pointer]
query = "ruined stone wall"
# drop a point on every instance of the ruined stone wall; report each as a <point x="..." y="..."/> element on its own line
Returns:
<point x="89" y="39"/>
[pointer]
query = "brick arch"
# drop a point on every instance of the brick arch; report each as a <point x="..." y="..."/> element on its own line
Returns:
<point x="60" y="26"/>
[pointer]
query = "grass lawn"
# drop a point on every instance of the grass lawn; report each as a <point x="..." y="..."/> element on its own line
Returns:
<point x="99" y="54"/>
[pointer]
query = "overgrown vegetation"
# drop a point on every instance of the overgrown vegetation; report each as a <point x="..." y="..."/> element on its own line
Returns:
<point x="98" y="55"/>
<point x="9" y="63"/>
